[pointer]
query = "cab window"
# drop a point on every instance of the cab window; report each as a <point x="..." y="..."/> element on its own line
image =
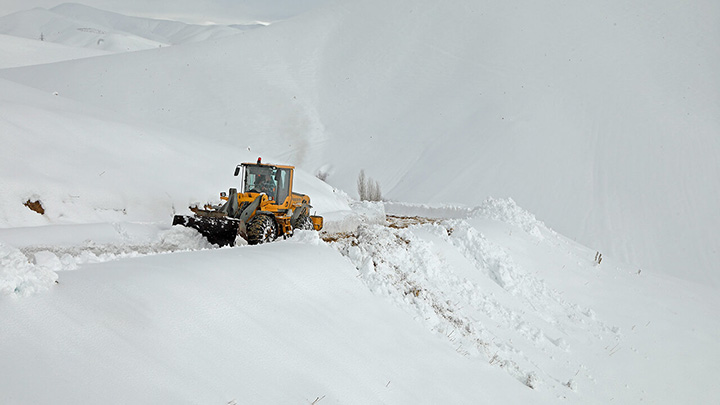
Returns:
<point x="261" y="179"/>
<point x="282" y="178"/>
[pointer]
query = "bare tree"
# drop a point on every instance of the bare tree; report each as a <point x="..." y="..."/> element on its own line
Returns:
<point x="362" y="185"/>
<point x="374" y="194"/>
<point x="368" y="189"/>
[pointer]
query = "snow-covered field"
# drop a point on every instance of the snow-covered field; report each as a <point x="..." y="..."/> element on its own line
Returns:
<point x="591" y="277"/>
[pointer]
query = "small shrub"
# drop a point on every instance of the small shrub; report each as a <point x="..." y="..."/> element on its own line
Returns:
<point x="532" y="380"/>
<point x="322" y="175"/>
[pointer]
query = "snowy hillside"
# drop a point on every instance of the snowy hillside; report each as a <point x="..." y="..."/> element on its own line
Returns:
<point x="18" y="51"/>
<point x="601" y="119"/>
<point x="129" y="170"/>
<point x="82" y="26"/>
<point x="600" y="284"/>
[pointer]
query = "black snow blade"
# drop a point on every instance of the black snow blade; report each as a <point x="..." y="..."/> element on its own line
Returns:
<point x="218" y="231"/>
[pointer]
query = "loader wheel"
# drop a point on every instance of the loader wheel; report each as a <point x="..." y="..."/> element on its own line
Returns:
<point x="303" y="222"/>
<point x="261" y="229"/>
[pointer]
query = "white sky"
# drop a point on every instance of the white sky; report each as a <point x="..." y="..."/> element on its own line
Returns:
<point x="190" y="11"/>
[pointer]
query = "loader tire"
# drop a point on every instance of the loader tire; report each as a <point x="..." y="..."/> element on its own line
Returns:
<point x="303" y="222"/>
<point x="261" y="229"/>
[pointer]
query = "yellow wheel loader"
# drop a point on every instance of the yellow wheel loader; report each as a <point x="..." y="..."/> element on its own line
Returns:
<point x="265" y="209"/>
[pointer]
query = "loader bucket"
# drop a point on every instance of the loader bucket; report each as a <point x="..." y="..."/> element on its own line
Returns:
<point x="219" y="231"/>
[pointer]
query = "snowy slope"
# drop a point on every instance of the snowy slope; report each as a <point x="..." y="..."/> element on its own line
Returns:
<point x="83" y="26"/>
<point x="491" y="308"/>
<point x="265" y="325"/>
<point x="162" y="31"/>
<point x="543" y="309"/>
<point x="129" y="170"/>
<point x="208" y="12"/>
<point x="18" y="51"/>
<point x="601" y="119"/>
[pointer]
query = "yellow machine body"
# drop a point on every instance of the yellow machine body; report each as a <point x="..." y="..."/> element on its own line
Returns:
<point x="263" y="209"/>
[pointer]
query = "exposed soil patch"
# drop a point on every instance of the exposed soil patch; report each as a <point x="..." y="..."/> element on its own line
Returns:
<point x="399" y="222"/>
<point x="35" y="206"/>
<point x="393" y="221"/>
<point x="334" y="237"/>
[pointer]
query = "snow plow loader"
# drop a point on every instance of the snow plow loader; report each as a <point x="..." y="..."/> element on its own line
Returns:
<point x="265" y="209"/>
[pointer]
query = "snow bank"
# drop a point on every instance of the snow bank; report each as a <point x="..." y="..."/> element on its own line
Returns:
<point x="506" y="210"/>
<point x="20" y="277"/>
<point x="502" y="209"/>
<point x="427" y="210"/>
<point x="469" y="290"/>
<point x="491" y="258"/>
<point x="360" y="212"/>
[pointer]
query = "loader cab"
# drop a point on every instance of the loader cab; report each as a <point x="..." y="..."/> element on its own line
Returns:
<point x="275" y="181"/>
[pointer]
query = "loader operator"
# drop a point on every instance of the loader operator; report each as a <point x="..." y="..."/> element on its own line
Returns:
<point x="266" y="185"/>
